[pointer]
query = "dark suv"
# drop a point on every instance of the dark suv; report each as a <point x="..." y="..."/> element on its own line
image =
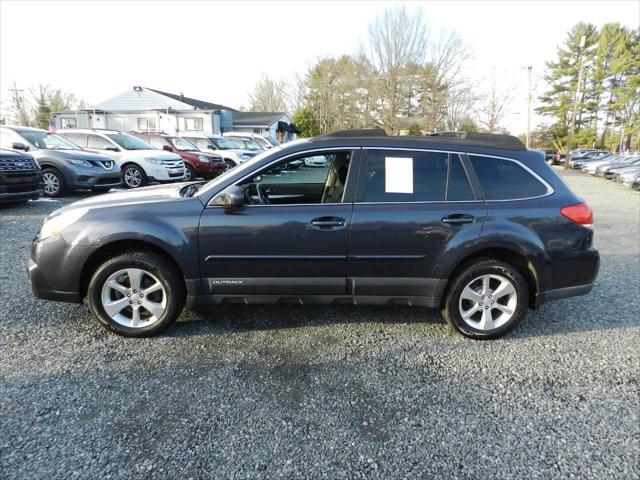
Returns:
<point x="20" y="177"/>
<point x="477" y="226"/>
<point x="198" y="163"/>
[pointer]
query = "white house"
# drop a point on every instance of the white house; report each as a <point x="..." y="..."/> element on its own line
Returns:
<point x="147" y="109"/>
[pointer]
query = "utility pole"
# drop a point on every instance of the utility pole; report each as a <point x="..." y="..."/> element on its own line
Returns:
<point x="572" y="128"/>
<point x="529" y="109"/>
<point x="17" y="100"/>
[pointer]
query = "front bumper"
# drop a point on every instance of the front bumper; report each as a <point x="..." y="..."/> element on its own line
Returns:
<point x="93" y="178"/>
<point x="173" y="172"/>
<point x="55" y="269"/>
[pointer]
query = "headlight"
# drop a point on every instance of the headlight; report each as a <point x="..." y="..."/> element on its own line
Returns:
<point x="157" y="161"/>
<point x="204" y="159"/>
<point x="80" y="163"/>
<point x="56" y="224"/>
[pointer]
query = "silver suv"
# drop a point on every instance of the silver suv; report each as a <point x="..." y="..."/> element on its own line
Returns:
<point x="139" y="161"/>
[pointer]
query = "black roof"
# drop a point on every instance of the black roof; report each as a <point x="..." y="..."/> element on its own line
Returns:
<point x="255" y="119"/>
<point x="473" y="139"/>
<point x="199" y="104"/>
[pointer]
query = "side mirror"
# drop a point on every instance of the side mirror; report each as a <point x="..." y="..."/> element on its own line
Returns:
<point x="111" y="148"/>
<point x="20" y="146"/>
<point x="232" y="196"/>
<point x="167" y="148"/>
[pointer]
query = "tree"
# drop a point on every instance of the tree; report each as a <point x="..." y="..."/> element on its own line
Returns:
<point x="414" y="130"/>
<point x="268" y="96"/>
<point x="42" y="113"/>
<point x="494" y="106"/>
<point x="397" y="46"/>
<point x="305" y="120"/>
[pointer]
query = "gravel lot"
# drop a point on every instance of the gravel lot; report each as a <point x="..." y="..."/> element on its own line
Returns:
<point x="325" y="392"/>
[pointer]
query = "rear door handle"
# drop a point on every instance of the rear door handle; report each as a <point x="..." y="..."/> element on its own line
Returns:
<point x="327" y="222"/>
<point x="458" y="219"/>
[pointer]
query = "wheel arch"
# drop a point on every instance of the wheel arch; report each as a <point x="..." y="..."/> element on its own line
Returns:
<point x="119" y="247"/>
<point x="507" y="254"/>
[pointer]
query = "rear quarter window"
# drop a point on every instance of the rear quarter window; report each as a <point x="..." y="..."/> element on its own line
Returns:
<point x="502" y="179"/>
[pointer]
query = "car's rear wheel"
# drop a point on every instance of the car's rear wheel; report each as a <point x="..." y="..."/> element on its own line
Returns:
<point x="53" y="182"/>
<point x="133" y="176"/>
<point x="136" y="294"/>
<point x="486" y="299"/>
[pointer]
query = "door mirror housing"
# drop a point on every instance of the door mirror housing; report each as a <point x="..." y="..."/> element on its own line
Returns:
<point x="167" y="148"/>
<point x="111" y="148"/>
<point x="19" y="146"/>
<point x="232" y="196"/>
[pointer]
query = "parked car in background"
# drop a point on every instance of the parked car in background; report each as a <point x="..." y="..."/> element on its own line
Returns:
<point x="140" y="162"/>
<point x="198" y="164"/>
<point x="478" y="227"/>
<point x="590" y="165"/>
<point x="636" y="183"/>
<point x="266" y="142"/>
<point x="228" y="150"/>
<point x="64" y="165"/>
<point x="551" y="156"/>
<point x="605" y="169"/>
<point x="20" y="177"/>
<point x="625" y="176"/>
<point x="248" y="144"/>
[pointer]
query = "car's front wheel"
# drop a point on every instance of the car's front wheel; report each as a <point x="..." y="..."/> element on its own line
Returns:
<point x="189" y="173"/>
<point x="230" y="163"/>
<point x="487" y="299"/>
<point x="133" y="176"/>
<point x="53" y="182"/>
<point x="136" y="294"/>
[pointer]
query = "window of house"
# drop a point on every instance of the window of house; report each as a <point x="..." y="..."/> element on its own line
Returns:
<point x="317" y="178"/>
<point x="145" y="124"/>
<point x="66" y="122"/>
<point x="193" y="123"/>
<point x="505" y="179"/>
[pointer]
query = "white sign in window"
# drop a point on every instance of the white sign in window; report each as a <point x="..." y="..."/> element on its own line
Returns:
<point x="398" y="175"/>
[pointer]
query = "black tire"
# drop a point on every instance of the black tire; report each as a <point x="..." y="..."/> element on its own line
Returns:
<point x="131" y="171"/>
<point x="230" y="163"/>
<point x="168" y="275"/>
<point x="50" y="177"/>
<point x="190" y="172"/>
<point x="484" y="266"/>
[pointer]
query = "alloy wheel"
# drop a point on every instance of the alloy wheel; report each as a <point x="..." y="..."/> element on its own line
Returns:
<point x="132" y="177"/>
<point x="488" y="302"/>
<point x="134" y="298"/>
<point x="187" y="175"/>
<point x="51" y="183"/>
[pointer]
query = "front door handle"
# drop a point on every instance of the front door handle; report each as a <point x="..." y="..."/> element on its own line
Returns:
<point x="328" y="222"/>
<point x="458" y="219"/>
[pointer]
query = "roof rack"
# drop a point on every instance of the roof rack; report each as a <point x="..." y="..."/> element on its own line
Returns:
<point x="489" y="140"/>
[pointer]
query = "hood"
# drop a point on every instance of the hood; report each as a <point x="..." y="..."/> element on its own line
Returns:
<point x="631" y="169"/>
<point x="161" y="154"/>
<point x="153" y="194"/>
<point x="69" y="154"/>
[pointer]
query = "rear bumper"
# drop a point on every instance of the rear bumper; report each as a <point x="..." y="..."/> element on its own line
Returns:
<point x="560" y="293"/>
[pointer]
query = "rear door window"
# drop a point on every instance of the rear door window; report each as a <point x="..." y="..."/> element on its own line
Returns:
<point x="97" y="142"/>
<point x="502" y="179"/>
<point x="414" y="176"/>
<point x="77" y="138"/>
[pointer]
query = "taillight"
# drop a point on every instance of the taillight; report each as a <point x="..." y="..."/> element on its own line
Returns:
<point x="580" y="213"/>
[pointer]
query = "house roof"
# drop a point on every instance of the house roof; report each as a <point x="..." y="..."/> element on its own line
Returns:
<point x="256" y="119"/>
<point x="199" y="104"/>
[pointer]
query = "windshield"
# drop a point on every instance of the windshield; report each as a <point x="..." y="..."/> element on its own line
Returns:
<point x="129" y="142"/>
<point x="252" y="145"/>
<point x="273" y="141"/>
<point x="223" y="143"/>
<point x="47" y="140"/>
<point x="243" y="168"/>
<point x="182" y="144"/>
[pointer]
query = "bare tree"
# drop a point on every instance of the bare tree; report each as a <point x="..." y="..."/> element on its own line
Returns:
<point x="268" y="95"/>
<point x="494" y="106"/>
<point x="397" y="45"/>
